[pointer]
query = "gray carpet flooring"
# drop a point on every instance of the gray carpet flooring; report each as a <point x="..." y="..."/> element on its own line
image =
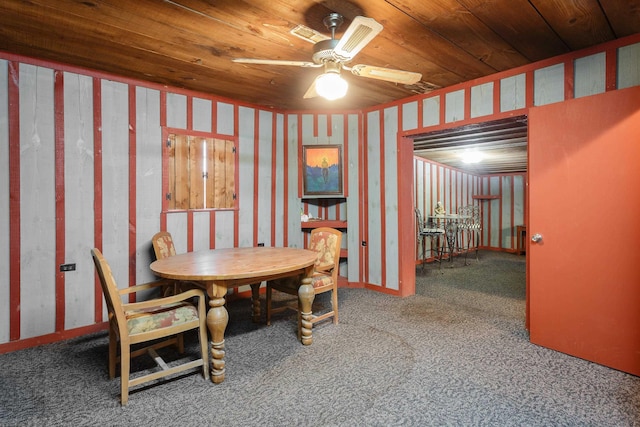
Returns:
<point x="455" y="354"/>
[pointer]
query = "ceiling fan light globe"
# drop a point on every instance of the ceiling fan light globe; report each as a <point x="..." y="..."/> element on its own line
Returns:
<point x="331" y="86"/>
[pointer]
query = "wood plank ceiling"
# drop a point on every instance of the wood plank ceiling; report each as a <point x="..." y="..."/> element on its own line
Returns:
<point x="190" y="43"/>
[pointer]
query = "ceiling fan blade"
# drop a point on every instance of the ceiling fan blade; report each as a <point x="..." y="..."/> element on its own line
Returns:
<point x="361" y="31"/>
<point x="305" y="64"/>
<point x="387" y="74"/>
<point x="308" y="34"/>
<point x="311" y="92"/>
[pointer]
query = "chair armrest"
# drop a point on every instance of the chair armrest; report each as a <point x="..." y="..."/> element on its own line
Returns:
<point x="144" y="286"/>
<point x="183" y="296"/>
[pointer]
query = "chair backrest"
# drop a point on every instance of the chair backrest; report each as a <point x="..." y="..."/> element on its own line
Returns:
<point x="163" y="245"/>
<point x="326" y="242"/>
<point x="472" y="214"/>
<point x="110" y="291"/>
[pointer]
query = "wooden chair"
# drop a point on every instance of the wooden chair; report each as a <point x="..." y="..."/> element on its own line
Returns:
<point x="163" y="247"/>
<point x="142" y="322"/>
<point x="326" y="242"/>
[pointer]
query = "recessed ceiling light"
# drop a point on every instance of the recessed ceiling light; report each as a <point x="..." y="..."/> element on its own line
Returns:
<point x="472" y="156"/>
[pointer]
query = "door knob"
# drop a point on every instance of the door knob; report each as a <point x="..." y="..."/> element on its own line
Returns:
<point x="536" y="238"/>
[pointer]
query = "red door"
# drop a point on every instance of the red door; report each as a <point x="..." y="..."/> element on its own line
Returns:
<point x="584" y="202"/>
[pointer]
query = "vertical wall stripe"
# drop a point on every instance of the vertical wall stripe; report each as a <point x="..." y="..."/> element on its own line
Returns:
<point x="274" y="139"/>
<point x="132" y="189"/>
<point x="383" y="204"/>
<point x="529" y="89"/>
<point x="163" y="108"/>
<point x="236" y="211"/>
<point x="256" y="172"/>
<point x="467" y="103"/>
<point x="214" y="117"/>
<point x="611" y="76"/>
<point x="345" y="153"/>
<point x="330" y="125"/>
<point x="496" y="98"/>
<point x="569" y="79"/>
<point x="14" y="199"/>
<point x="364" y="226"/>
<point x="190" y="112"/>
<point x="300" y="143"/>
<point x="212" y="229"/>
<point x="315" y="125"/>
<point x="97" y="180"/>
<point x="190" y="230"/>
<point x="60" y="197"/>
<point x="285" y="190"/>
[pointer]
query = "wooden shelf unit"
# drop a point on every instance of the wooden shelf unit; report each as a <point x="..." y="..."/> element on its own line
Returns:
<point x="317" y="223"/>
<point x="485" y="197"/>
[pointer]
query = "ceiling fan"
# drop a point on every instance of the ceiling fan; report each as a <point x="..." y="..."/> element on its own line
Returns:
<point x="334" y="54"/>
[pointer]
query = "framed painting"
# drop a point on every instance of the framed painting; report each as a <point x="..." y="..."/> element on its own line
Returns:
<point x="322" y="171"/>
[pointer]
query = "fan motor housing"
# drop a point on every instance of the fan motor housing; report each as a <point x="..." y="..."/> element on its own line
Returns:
<point x="323" y="51"/>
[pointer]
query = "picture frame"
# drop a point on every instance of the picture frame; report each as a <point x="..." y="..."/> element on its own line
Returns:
<point x="322" y="171"/>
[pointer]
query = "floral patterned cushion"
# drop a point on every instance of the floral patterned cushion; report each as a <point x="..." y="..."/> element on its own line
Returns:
<point x="321" y="279"/>
<point x="325" y="245"/>
<point x="140" y="321"/>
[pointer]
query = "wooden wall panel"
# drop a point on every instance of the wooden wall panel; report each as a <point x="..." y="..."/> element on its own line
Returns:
<point x="549" y="85"/>
<point x="201" y="223"/>
<point x="246" y="134"/>
<point x="264" y="173"/>
<point x="409" y="119"/>
<point x="224" y="222"/>
<point x="202" y="114"/>
<point x="431" y="111"/>
<point x="389" y="153"/>
<point x="590" y="75"/>
<point x="292" y="124"/>
<point x="628" y="72"/>
<point x="506" y="211"/>
<point x="78" y="175"/>
<point x="4" y="203"/>
<point x="353" y="145"/>
<point x="37" y="202"/>
<point x="149" y="178"/>
<point x="512" y="93"/>
<point x="454" y="106"/>
<point x="115" y="179"/>
<point x="482" y="99"/>
<point x="177" y="111"/>
<point x="278" y="193"/>
<point x="177" y="225"/>
<point x="374" y="224"/>
<point x="225" y="118"/>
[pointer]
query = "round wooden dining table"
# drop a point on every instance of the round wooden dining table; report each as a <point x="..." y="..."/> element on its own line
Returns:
<point x="217" y="270"/>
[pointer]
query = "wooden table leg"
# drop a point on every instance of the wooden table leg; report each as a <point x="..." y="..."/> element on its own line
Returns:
<point x="217" y="320"/>
<point x="305" y="297"/>
<point x="255" y="302"/>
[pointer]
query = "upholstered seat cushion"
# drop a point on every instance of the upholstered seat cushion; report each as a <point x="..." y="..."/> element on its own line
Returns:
<point x="321" y="279"/>
<point x="140" y="321"/>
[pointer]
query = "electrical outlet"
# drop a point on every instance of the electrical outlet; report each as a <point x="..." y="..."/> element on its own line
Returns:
<point x="68" y="267"/>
